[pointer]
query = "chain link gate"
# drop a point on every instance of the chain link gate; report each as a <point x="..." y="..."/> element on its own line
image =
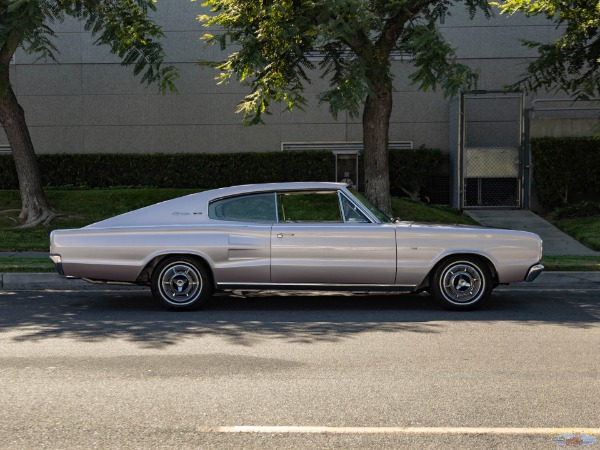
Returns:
<point x="492" y="149"/>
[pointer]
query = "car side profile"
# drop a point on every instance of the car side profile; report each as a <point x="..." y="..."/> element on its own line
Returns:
<point x="292" y="236"/>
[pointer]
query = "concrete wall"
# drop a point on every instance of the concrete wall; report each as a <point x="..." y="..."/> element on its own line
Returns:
<point x="89" y="103"/>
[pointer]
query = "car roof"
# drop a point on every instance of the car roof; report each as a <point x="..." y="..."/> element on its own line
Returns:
<point x="193" y="208"/>
<point x="268" y="187"/>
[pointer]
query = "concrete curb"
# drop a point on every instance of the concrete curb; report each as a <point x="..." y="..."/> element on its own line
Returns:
<point x="19" y="281"/>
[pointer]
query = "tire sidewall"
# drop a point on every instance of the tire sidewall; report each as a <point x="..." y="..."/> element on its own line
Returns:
<point x="199" y="299"/>
<point x="440" y="295"/>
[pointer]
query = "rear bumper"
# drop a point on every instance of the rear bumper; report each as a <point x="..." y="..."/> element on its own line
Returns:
<point x="534" y="272"/>
<point x="57" y="260"/>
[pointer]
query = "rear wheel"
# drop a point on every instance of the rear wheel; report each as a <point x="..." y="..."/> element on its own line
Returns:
<point x="461" y="283"/>
<point x="181" y="283"/>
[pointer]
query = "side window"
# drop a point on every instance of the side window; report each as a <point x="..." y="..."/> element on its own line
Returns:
<point x="351" y="212"/>
<point x="309" y="207"/>
<point x="246" y="208"/>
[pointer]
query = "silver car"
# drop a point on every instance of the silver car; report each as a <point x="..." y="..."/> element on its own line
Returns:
<point x="292" y="236"/>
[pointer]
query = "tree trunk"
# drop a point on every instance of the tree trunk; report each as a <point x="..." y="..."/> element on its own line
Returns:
<point x="34" y="207"/>
<point x="376" y="125"/>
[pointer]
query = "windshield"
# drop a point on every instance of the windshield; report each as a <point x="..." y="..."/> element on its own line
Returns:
<point x="381" y="216"/>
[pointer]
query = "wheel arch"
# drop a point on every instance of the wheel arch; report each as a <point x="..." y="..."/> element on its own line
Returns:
<point x="146" y="274"/>
<point x="485" y="259"/>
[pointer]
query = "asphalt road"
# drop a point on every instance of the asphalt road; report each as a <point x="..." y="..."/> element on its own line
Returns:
<point x="112" y="370"/>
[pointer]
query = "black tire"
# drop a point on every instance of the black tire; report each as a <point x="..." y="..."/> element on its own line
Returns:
<point x="181" y="283"/>
<point x="461" y="283"/>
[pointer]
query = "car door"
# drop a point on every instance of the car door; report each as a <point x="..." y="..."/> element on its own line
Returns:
<point x="314" y="243"/>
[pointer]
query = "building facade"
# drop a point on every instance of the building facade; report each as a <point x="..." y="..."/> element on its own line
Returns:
<point x="89" y="103"/>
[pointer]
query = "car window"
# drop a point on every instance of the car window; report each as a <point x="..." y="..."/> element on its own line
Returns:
<point x="322" y="206"/>
<point x="383" y="218"/>
<point x="246" y="208"/>
<point x="351" y="212"/>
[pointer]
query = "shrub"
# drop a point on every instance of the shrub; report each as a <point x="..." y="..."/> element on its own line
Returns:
<point x="581" y="209"/>
<point x="411" y="169"/>
<point x="564" y="168"/>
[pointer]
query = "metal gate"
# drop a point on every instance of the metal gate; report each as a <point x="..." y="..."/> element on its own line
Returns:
<point x="491" y="149"/>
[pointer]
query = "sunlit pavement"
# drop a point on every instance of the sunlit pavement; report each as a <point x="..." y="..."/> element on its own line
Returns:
<point x="113" y="370"/>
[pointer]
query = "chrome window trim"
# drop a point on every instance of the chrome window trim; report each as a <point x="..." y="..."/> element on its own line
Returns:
<point x="340" y="194"/>
<point x="300" y="191"/>
<point x="229" y="197"/>
<point x="368" y="214"/>
<point x="343" y="191"/>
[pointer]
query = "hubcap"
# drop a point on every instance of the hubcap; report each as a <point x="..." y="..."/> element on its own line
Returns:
<point x="462" y="283"/>
<point x="180" y="283"/>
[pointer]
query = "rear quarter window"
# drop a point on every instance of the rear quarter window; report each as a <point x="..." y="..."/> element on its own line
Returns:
<point x="245" y="208"/>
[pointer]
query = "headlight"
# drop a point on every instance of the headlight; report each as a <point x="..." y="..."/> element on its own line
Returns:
<point x="56" y="259"/>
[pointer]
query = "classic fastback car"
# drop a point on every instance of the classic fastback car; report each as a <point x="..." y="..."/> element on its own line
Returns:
<point x="307" y="236"/>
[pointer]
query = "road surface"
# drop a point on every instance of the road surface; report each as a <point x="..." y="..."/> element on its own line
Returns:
<point x="113" y="370"/>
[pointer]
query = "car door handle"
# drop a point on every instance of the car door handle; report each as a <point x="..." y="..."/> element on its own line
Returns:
<point x="280" y="235"/>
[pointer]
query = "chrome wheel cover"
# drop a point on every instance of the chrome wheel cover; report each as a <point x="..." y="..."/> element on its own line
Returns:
<point x="180" y="283"/>
<point x="462" y="283"/>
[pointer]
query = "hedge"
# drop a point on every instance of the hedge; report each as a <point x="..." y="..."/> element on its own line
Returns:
<point x="409" y="169"/>
<point x="565" y="169"/>
<point x="181" y="170"/>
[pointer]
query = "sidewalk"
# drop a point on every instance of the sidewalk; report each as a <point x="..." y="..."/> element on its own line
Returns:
<point x="25" y="281"/>
<point x="556" y="243"/>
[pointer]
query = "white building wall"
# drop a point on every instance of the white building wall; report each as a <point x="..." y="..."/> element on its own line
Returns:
<point x="89" y="103"/>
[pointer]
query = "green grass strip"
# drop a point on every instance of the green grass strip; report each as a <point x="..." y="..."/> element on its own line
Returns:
<point x="572" y="263"/>
<point x="26" y="265"/>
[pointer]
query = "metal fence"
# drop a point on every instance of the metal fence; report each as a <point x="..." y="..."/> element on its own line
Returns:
<point x="492" y="150"/>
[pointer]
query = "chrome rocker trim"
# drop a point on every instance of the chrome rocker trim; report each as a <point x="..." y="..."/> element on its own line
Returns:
<point x="315" y="287"/>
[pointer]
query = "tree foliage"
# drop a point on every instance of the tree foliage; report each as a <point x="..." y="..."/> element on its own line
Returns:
<point x="572" y="63"/>
<point x="279" y="43"/>
<point x="123" y="25"/>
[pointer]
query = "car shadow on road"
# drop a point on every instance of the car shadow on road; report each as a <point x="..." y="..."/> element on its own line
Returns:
<point x="246" y="319"/>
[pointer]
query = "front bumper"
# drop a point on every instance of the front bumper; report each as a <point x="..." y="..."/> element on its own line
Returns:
<point x="534" y="272"/>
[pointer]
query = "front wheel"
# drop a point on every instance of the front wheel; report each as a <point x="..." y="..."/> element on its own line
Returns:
<point x="181" y="284"/>
<point x="461" y="283"/>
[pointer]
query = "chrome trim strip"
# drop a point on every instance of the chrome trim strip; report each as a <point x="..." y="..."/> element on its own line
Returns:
<point x="534" y="272"/>
<point x="316" y="287"/>
<point x="339" y="196"/>
<point x="119" y="283"/>
<point x="356" y="204"/>
<point x="359" y="205"/>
